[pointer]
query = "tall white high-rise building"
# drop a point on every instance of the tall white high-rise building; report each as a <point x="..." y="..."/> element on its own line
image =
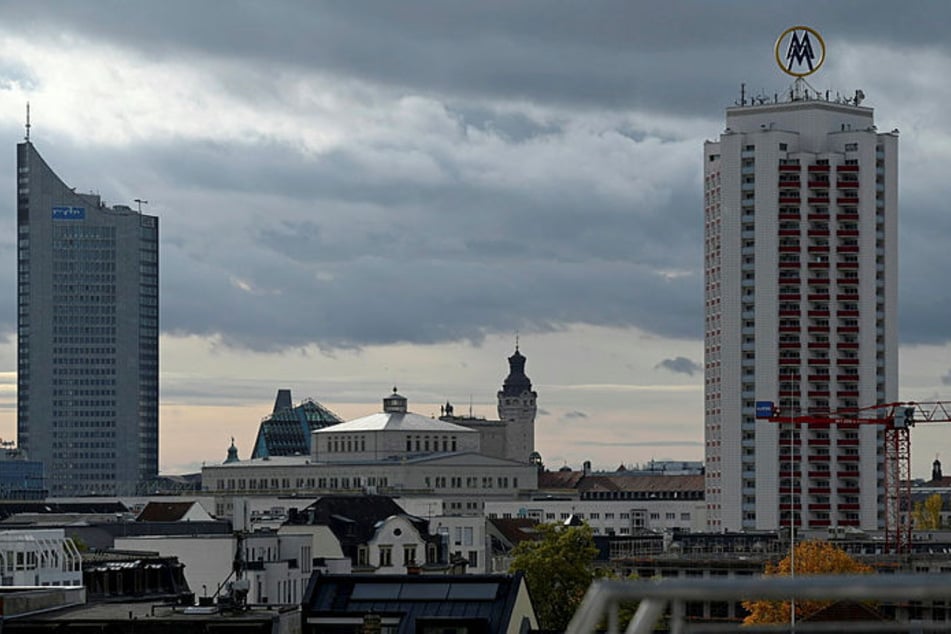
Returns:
<point x="800" y="260"/>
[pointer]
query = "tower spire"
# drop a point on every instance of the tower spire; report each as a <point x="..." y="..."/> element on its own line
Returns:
<point x="27" y="137"/>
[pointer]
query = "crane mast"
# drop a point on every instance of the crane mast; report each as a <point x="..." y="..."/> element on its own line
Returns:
<point x="896" y="419"/>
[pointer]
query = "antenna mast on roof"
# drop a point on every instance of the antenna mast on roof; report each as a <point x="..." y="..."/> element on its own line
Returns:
<point x="27" y="137"/>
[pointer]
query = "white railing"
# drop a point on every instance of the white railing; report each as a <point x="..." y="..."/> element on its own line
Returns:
<point x="657" y="598"/>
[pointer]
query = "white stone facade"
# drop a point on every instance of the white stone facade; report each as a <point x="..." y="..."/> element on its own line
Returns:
<point x="800" y="259"/>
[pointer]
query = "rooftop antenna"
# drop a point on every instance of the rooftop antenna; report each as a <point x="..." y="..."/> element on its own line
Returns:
<point x="27" y="137"/>
<point x="140" y="202"/>
<point x="470" y="405"/>
<point x="516" y="341"/>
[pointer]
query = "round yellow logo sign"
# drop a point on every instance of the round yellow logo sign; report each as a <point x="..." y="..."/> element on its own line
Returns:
<point x="800" y="51"/>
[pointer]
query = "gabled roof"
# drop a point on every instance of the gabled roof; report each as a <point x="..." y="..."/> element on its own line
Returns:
<point x="515" y="529"/>
<point x="168" y="511"/>
<point x="287" y="430"/>
<point x="353" y="518"/>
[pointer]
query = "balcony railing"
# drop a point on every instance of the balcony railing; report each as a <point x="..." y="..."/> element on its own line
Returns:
<point x="660" y="597"/>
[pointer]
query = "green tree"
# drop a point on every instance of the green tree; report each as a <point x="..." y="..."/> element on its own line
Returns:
<point x="558" y="569"/>
<point x="927" y="515"/>
<point x="813" y="557"/>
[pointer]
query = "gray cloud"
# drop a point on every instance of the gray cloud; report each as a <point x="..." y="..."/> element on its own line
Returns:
<point x="946" y="379"/>
<point x="555" y="180"/>
<point x="574" y="415"/>
<point x="681" y="365"/>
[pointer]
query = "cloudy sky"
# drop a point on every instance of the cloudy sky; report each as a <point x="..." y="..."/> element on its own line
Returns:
<point x="356" y="195"/>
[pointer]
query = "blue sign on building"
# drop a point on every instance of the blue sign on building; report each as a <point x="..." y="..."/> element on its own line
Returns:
<point x="69" y="213"/>
<point x="764" y="409"/>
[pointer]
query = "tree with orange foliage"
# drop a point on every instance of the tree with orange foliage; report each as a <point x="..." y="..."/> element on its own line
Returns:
<point x="813" y="557"/>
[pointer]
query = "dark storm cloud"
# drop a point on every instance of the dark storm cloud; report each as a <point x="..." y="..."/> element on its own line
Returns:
<point x="680" y="365"/>
<point x="496" y="218"/>
<point x="620" y="54"/>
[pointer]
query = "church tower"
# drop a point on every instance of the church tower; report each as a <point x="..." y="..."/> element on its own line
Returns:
<point x="517" y="410"/>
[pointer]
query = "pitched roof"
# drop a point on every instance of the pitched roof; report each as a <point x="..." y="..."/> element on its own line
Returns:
<point x="559" y="479"/>
<point x="487" y="602"/>
<point x="515" y="529"/>
<point x="398" y="421"/>
<point x="644" y="483"/>
<point x="164" y="511"/>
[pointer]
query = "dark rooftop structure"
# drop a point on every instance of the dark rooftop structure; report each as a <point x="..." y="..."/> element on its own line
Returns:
<point x="516" y="383"/>
<point x="287" y="431"/>
<point x="353" y="519"/>
<point x="413" y="603"/>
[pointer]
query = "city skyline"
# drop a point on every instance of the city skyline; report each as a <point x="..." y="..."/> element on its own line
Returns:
<point x="354" y="198"/>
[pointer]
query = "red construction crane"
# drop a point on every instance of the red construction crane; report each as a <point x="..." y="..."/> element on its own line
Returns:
<point x="896" y="419"/>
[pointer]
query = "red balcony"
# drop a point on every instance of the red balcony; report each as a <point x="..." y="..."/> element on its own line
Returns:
<point x="818" y="378"/>
<point x="848" y="458"/>
<point x="848" y="313"/>
<point x="790" y="507"/>
<point x="847" y="248"/>
<point x="848" y="490"/>
<point x="819" y="523"/>
<point x="789" y="297"/>
<point x="789" y="313"/>
<point x="848" y="393"/>
<point x="820" y="507"/>
<point x="789" y="361"/>
<point x="818" y="248"/>
<point x="789" y="329"/>
<point x="789" y="265"/>
<point x="848" y="507"/>
<point x="848" y="361"/>
<point x="789" y="249"/>
<point x="819" y="345"/>
<point x="815" y="184"/>
<point x="818" y="233"/>
<point x="848" y="297"/>
<point x="847" y="168"/>
<point x="847" y="233"/>
<point x="847" y="265"/>
<point x="848" y="378"/>
<point x="818" y="217"/>
<point x="849" y="474"/>
<point x="818" y="362"/>
<point x="818" y="200"/>
<point x="819" y="394"/>
<point x="819" y="281"/>
<point x="785" y="214"/>
<point x="847" y="345"/>
<point x="848" y="329"/>
<point x="848" y="522"/>
<point x="788" y="346"/>
<point x="819" y="458"/>
<point x="819" y="297"/>
<point x="819" y="474"/>
<point x="789" y="168"/>
<point x="847" y="214"/>
<point x="785" y="199"/>
<point x="789" y="232"/>
<point x="818" y="313"/>
<point x="818" y="442"/>
<point x="790" y="393"/>
<point x="847" y="200"/>
<point x="818" y="168"/>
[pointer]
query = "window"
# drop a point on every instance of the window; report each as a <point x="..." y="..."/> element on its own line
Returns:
<point x="473" y="558"/>
<point x="409" y="555"/>
<point x="386" y="556"/>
